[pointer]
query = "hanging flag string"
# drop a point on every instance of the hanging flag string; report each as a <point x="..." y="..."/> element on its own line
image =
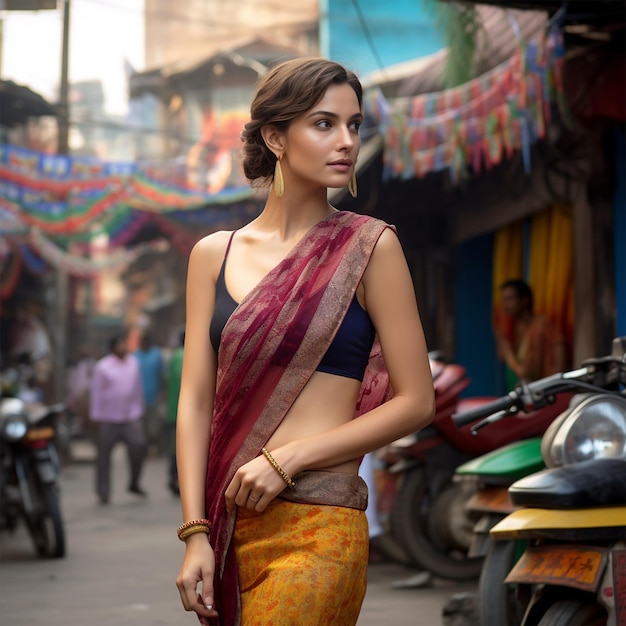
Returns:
<point x="475" y="125"/>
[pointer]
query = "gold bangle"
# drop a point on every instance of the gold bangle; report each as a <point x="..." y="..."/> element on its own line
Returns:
<point x="278" y="468"/>
<point x="194" y="522"/>
<point x="205" y="523"/>
<point x="193" y="530"/>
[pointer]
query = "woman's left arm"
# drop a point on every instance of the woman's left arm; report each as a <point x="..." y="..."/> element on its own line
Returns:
<point x="391" y="304"/>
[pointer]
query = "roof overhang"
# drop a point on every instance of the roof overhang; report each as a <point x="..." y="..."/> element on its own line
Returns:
<point x="18" y="103"/>
<point x="583" y="21"/>
<point x="241" y="53"/>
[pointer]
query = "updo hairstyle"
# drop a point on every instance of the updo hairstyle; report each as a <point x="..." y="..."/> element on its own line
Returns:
<point x="284" y="93"/>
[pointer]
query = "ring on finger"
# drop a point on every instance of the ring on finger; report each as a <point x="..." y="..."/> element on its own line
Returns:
<point x="254" y="499"/>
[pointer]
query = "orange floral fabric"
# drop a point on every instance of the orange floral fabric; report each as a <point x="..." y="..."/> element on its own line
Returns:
<point x="301" y="564"/>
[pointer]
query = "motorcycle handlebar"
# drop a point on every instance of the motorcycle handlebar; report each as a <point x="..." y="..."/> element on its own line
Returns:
<point x="529" y="397"/>
<point x="501" y="404"/>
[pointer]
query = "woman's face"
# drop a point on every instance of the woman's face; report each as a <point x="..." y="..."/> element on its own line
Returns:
<point x="321" y="146"/>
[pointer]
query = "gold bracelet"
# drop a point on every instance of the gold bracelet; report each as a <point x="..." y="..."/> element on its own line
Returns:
<point x="205" y="523"/>
<point x="193" y="530"/>
<point x="278" y="468"/>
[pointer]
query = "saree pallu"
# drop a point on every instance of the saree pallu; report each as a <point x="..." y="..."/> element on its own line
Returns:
<point x="301" y="564"/>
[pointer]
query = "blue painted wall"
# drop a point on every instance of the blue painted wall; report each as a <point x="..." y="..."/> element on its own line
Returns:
<point x="401" y="30"/>
<point x="475" y="343"/>
<point x="620" y="231"/>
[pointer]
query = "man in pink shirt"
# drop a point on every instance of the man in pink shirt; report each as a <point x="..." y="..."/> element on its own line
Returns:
<point x="117" y="405"/>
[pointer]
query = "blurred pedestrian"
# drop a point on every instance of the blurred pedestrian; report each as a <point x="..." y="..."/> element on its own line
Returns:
<point x="174" y="373"/>
<point x="117" y="406"/>
<point x="151" y="366"/>
<point x="531" y="347"/>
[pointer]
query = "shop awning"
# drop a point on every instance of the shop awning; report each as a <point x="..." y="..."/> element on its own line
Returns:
<point x="18" y="103"/>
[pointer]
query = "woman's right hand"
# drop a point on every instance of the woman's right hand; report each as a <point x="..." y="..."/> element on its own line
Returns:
<point x="198" y="567"/>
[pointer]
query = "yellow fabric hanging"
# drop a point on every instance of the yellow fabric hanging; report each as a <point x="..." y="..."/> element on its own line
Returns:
<point x="508" y="261"/>
<point x="507" y="264"/>
<point x="551" y="265"/>
<point x="539" y="267"/>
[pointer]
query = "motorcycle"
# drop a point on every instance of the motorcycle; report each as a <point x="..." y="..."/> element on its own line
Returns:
<point x="29" y="474"/>
<point x="554" y="559"/>
<point x="426" y="507"/>
<point x="490" y="476"/>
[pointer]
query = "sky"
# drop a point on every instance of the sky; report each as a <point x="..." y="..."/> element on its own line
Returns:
<point x="103" y="34"/>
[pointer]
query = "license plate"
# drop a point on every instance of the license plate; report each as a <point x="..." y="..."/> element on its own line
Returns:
<point x="580" y="567"/>
<point x="45" y="432"/>
<point x="494" y="499"/>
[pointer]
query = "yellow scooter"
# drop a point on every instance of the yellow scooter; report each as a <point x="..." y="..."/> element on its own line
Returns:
<point x="574" y="565"/>
<point x="573" y="515"/>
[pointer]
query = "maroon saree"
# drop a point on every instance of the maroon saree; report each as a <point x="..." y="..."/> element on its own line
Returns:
<point x="270" y="347"/>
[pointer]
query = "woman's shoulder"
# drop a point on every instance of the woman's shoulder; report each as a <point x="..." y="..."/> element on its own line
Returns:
<point x="364" y="222"/>
<point x="360" y="218"/>
<point x="211" y="248"/>
<point x="207" y="256"/>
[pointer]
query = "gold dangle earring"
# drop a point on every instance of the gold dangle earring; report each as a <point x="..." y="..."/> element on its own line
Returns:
<point x="279" y="183"/>
<point x="352" y="185"/>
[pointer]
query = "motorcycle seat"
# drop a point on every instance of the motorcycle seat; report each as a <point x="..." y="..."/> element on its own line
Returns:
<point x="598" y="482"/>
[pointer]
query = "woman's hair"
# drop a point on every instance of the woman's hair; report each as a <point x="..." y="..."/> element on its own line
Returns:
<point x="284" y="93"/>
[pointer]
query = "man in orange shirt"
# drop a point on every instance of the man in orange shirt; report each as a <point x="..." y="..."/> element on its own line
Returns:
<point x="534" y="347"/>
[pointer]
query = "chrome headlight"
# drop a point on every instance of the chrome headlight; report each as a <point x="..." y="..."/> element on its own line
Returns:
<point x="14" y="423"/>
<point x="595" y="428"/>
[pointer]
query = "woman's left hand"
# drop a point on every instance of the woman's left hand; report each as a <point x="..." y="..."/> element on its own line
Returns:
<point x="254" y="486"/>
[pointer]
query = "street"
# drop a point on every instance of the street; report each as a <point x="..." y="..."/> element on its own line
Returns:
<point x="122" y="561"/>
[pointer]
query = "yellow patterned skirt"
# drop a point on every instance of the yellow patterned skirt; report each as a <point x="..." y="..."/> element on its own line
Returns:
<point x="301" y="564"/>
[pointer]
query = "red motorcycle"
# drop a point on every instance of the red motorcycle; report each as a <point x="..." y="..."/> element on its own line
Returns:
<point x="423" y="506"/>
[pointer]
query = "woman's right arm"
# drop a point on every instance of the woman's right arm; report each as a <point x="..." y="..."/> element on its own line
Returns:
<point x="193" y="424"/>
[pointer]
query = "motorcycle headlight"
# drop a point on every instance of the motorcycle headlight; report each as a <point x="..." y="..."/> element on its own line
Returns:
<point x="594" y="429"/>
<point x="14" y="423"/>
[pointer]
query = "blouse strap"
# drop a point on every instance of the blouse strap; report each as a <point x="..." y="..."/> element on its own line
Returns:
<point x="230" y="240"/>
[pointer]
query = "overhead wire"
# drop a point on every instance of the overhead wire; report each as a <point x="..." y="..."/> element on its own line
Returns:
<point x="368" y="36"/>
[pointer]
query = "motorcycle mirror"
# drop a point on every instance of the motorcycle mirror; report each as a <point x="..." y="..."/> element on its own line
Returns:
<point x="618" y="349"/>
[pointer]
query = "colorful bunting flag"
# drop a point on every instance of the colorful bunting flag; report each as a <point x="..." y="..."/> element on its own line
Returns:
<point x="474" y="125"/>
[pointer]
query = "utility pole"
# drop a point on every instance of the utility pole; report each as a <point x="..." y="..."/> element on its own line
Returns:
<point x="61" y="278"/>
<point x="1" y="41"/>
<point x="64" y="118"/>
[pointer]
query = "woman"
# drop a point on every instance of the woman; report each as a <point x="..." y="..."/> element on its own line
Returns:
<point x="281" y="318"/>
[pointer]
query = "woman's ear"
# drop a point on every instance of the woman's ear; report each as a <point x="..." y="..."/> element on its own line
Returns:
<point x="274" y="139"/>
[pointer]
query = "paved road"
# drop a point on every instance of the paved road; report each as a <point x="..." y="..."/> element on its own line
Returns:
<point x="122" y="561"/>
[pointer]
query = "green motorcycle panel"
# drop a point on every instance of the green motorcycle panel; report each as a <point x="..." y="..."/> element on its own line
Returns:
<point x="514" y="461"/>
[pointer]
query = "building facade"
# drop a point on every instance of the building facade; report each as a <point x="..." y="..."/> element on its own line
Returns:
<point x="195" y="29"/>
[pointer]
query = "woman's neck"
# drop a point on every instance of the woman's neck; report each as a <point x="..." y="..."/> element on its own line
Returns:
<point x="290" y="216"/>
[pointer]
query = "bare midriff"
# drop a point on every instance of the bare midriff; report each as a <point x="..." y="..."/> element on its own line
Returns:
<point x="327" y="401"/>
